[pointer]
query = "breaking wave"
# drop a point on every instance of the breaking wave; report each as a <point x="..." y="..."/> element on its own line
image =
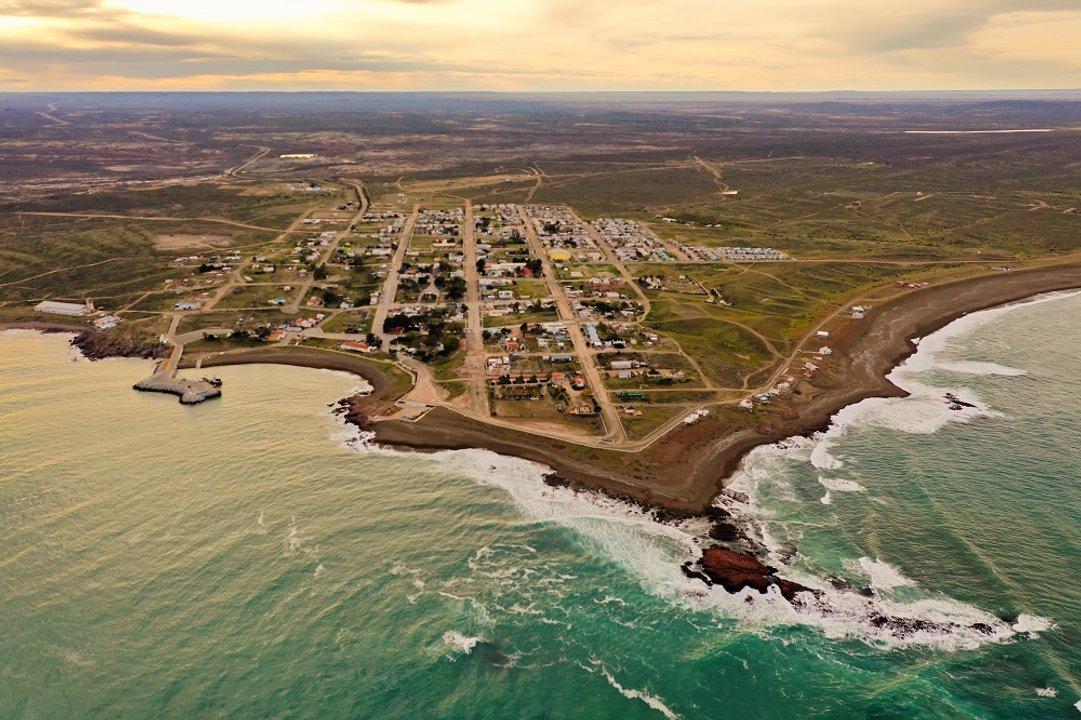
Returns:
<point x="459" y="643"/>
<point x="652" y="701"/>
<point x="873" y="602"/>
<point x="654" y="551"/>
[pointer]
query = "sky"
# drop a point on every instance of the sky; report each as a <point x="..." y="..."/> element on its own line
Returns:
<point x="539" y="45"/>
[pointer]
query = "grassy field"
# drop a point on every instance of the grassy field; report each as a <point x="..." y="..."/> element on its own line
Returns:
<point x="344" y="320"/>
<point x="651" y="418"/>
<point x="530" y="317"/>
<point x="48" y="257"/>
<point x="255" y="296"/>
<point x="854" y="201"/>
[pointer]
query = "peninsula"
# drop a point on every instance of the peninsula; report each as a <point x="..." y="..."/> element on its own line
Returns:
<point x="637" y="320"/>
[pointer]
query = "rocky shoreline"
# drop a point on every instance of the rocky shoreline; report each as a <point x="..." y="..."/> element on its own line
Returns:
<point x="686" y="469"/>
<point x="735" y="562"/>
<point x="97" y="345"/>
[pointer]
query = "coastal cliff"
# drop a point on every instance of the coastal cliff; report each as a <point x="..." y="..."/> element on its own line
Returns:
<point x="97" y="345"/>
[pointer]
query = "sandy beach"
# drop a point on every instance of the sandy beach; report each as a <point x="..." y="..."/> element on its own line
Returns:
<point x="684" y="470"/>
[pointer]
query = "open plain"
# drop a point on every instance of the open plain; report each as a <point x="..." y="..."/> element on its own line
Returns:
<point x="634" y="292"/>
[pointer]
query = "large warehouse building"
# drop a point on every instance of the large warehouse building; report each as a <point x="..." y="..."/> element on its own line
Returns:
<point x="61" y="308"/>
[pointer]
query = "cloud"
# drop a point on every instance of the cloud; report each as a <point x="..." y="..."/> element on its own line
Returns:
<point x="540" y="44"/>
<point x="50" y="8"/>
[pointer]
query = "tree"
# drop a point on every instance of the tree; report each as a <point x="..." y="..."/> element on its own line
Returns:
<point x="482" y="264"/>
<point x="455" y="289"/>
<point x="321" y="272"/>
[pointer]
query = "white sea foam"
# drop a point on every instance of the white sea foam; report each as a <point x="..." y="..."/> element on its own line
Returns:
<point x="1047" y="692"/>
<point x="841" y="485"/>
<point x="293" y="541"/>
<point x="975" y="367"/>
<point x="1077" y="705"/>
<point x="652" y="701"/>
<point x="926" y="410"/>
<point x="826" y="499"/>
<point x="821" y="457"/>
<point x="654" y="552"/>
<point x="879" y="620"/>
<point x="460" y="643"/>
<point x="882" y="576"/>
<point x="1032" y="624"/>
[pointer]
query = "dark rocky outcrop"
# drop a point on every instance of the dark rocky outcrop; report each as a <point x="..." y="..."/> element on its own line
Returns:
<point x="355" y="411"/>
<point x="97" y="345"/>
<point x="957" y="403"/>
<point x="556" y="480"/>
<point x="735" y="571"/>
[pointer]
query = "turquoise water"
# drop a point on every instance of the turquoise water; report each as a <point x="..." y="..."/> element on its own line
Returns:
<point x="246" y="559"/>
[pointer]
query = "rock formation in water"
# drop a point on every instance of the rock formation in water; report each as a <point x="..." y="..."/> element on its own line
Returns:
<point x="735" y="571"/>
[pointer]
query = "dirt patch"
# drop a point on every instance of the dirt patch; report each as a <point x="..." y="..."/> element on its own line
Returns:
<point x="169" y="242"/>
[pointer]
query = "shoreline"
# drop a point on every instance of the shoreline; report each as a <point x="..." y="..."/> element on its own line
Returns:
<point x="356" y="409"/>
<point x="684" y="471"/>
<point x="49" y="328"/>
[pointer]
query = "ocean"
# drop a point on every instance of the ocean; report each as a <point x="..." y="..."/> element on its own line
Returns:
<point x="254" y="558"/>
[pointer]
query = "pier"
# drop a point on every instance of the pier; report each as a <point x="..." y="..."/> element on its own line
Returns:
<point x="191" y="392"/>
<point x="164" y="380"/>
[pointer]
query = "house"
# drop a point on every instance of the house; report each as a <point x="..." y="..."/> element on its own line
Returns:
<point x="356" y="347"/>
<point x="187" y="305"/>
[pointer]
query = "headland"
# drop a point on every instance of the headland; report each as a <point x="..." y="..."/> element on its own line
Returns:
<point x="683" y="470"/>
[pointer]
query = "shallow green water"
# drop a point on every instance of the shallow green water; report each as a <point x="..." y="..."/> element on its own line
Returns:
<point x="240" y="559"/>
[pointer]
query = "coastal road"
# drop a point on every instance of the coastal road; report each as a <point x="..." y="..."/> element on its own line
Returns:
<point x="614" y="426"/>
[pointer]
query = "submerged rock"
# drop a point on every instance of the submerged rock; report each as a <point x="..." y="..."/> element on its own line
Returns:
<point x="957" y="403"/>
